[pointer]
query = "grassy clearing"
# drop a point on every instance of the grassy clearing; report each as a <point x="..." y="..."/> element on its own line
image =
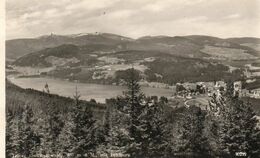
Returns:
<point x="223" y="53"/>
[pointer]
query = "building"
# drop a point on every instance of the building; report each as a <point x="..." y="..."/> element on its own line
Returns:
<point x="255" y="93"/>
<point x="238" y="88"/>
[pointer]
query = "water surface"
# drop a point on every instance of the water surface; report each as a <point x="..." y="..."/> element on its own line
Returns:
<point x="87" y="91"/>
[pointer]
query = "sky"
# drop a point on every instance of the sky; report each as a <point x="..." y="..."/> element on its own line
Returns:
<point x="133" y="18"/>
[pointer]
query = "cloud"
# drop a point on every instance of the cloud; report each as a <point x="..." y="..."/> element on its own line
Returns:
<point x="120" y="14"/>
<point x="232" y="16"/>
<point x="135" y="18"/>
<point x="90" y="5"/>
<point x="159" y="5"/>
<point x="31" y="15"/>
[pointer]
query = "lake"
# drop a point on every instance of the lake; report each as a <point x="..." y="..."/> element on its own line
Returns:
<point x="87" y="91"/>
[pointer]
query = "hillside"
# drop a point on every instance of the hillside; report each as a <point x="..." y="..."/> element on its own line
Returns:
<point x="187" y="46"/>
<point x="243" y="40"/>
<point x="18" y="47"/>
<point x="100" y="57"/>
<point x="16" y="98"/>
<point x="72" y="63"/>
<point x="179" y="46"/>
<point x="253" y="43"/>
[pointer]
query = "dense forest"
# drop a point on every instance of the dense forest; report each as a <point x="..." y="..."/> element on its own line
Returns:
<point x="187" y="70"/>
<point x="40" y="124"/>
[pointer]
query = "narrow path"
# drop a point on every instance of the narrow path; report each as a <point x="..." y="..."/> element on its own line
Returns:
<point x="202" y="101"/>
<point x="187" y="105"/>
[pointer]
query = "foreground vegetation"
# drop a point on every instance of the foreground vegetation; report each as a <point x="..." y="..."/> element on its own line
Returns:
<point x="131" y="125"/>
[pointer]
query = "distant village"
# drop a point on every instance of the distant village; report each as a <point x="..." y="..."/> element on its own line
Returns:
<point x="186" y="90"/>
<point x="191" y="90"/>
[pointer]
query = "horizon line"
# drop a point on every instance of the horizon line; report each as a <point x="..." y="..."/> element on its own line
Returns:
<point x="96" y="33"/>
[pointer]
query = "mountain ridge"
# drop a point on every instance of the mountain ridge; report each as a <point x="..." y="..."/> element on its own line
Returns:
<point x="101" y="57"/>
<point x="16" y="48"/>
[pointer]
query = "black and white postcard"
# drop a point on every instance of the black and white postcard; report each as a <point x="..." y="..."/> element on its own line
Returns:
<point x="132" y="78"/>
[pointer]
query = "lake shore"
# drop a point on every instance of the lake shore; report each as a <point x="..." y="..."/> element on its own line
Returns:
<point x="88" y="91"/>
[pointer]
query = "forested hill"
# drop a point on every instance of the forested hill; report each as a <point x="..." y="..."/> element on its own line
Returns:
<point x="17" y="98"/>
<point x="132" y="125"/>
<point x="188" y="46"/>
<point x="99" y="58"/>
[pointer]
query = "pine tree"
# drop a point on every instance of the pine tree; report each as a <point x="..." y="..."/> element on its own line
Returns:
<point x="133" y="95"/>
<point x="155" y="134"/>
<point x="145" y="135"/>
<point x="115" y="129"/>
<point x="133" y="98"/>
<point x="118" y="135"/>
<point x="135" y="125"/>
<point x="45" y="138"/>
<point x="17" y="137"/>
<point x="239" y="132"/>
<point x="66" y="138"/>
<point x="126" y="132"/>
<point x="192" y="136"/>
<point x="103" y="134"/>
<point x="107" y="122"/>
<point x="26" y="139"/>
<point x="237" y="125"/>
<point x="78" y="135"/>
<point x="49" y="129"/>
<point x="10" y="133"/>
<point x="55" y="123"/>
